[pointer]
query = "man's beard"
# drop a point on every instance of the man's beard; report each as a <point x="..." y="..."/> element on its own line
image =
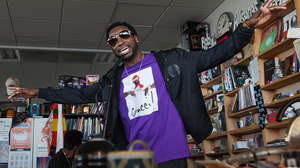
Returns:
<point x="134" y="53"/>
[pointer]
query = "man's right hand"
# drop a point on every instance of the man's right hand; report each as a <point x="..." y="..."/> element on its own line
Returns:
<point x="23" y="92"/>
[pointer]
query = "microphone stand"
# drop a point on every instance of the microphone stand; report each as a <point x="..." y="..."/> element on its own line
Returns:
<point x="107" y="77"/>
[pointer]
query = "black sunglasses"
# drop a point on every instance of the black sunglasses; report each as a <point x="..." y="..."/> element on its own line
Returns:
<point x="113" y="40"/>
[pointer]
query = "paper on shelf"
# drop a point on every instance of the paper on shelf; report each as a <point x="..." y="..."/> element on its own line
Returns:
<point x="254" y="70"/>
<point x="293" y="33"/>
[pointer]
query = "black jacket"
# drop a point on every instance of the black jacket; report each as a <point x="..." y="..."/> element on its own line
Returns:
<point x="59" y="160"/>
<point x="179" y="69"/>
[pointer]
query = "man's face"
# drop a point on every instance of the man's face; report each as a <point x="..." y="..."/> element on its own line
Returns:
<point x="244" y="75"/>
<point x="124" y="47"/>
<point x="136" y="82"/>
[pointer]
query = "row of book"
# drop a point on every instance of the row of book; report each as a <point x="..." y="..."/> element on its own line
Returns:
<point x="90" y="108"/>
<point x="275" y="69"/>
<point x="234" y="77"/>
<point x="87" y="126"/>
<point x="209" y="74"/>
<point x="243" y="99"/>
<point x="278" y="30"/>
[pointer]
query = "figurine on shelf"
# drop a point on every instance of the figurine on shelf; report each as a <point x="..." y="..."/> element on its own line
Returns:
<point x="210" y="91"/>
<point x="216" y="122"/>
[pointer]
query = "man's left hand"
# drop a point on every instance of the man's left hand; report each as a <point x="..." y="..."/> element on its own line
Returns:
<point x="264" y="14"/>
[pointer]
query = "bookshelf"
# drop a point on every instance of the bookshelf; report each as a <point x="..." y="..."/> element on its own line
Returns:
<point x="272" y="130"/>
<point x="218" y="135"/>
<point x="213" y="95"/>
<point x="213" y="110"/>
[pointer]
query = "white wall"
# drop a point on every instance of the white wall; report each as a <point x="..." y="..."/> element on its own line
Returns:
<point x="233" y="6"/>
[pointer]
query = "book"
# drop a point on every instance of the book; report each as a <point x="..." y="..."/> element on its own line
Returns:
<point x="216" y="71"/>
<point x="228" y="80"/>
<point x="271" y="35"/>
<point x="249" y="120"/>
<point x="85" y="129"/>
<point x="278" y="73"/>
<point x="282" y="67"/>
<point x="269" y="67"/>
<point x="224" y="82"/>
<point x="223" y="120"/>
<point x="233" y="78"/>
<point x="205" y="76"/>
<point x="220" y="99"/>
<point x="289" y="65"/>
<point x="253" y="103"/>
<point x="295" y="63"/>
<point x="289" y="21"/>
<point x="224" y="143"/>
<point x="235" y="102"/>
<point x="248" y="50"/>
<point x="240" y="73"/>
<point x="209" y="103"/>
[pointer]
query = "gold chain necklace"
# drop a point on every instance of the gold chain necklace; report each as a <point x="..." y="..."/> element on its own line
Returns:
<point x="67" y="159"/>
<point x="140" y="65"/>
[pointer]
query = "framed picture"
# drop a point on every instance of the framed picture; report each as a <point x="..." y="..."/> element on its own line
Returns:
<point x="196" y="42"/>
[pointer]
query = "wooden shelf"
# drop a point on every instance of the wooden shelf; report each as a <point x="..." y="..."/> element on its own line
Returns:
<point x="278" y="125"/>
<point x="217" y="136"/>
<point x="240" y="151"/>
<point x="213" y="94"/>
<point x="232" y="93"/>
<point x="213" y="110"/>
<point x="216" y="80"/>
<point x="280" y="102"/>
<point x="272" y="130"/>
<point x="245" y="61"/>
<point x="282" y="82"/>
<point x="244" y="112"/>
<point x="276" y="49"/>
<point x="245" y="130"/>
<point x="245" y="150"/>
<point x="197" y="155"/>
<point x="217" y="153"/>
<point x="290" y="7"/>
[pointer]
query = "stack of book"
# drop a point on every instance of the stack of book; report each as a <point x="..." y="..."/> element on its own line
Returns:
<point x="86" y="125"/>
<point x="243" y="99"/>
<point x="276" y="142"/>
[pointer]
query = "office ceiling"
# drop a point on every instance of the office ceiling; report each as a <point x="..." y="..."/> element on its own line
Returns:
<point x="43" y="39"/>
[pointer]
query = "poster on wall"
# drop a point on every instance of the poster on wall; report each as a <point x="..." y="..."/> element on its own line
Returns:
<point x="20" y="139"/>
<point x="42" y="162"/>
<point x="40" y="145"/>
<point x="5" y="124"/>
<point x="4" y="153"/>
<point x="19" y="159"/>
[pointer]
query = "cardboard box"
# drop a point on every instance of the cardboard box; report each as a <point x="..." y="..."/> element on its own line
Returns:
<point x="241" y="145"/>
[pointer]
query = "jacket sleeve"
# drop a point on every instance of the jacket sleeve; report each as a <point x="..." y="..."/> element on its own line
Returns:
<point x="70" y="96"/>
<point x="206" y="59"/>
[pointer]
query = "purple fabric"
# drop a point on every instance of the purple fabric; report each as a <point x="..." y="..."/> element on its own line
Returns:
<point x="151" y="116"/>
